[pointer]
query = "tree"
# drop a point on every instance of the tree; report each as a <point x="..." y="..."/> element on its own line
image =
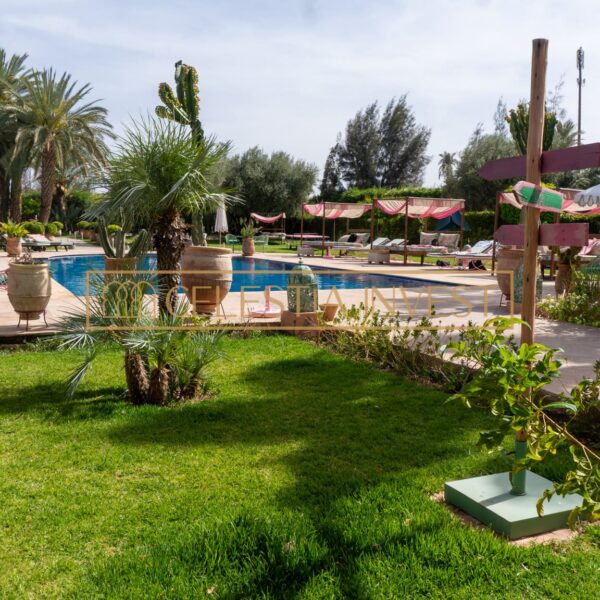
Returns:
<point x="158" y="172"/>
<point x="55" y="122"/>
<point x="269" y="183"/>
<point x="12" y="78"/>
<point x="467" y="183"/>
<point x="565" y="134"/>
<point x="446" y="166"/>
<point x="403" y="146"/>
<point x="383" y="151"/>
<point x="518" y="124"/>
<point x="331" y="183"/>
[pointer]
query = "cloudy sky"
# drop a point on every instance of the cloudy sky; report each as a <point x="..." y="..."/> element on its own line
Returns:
<point x="288" y="74"/>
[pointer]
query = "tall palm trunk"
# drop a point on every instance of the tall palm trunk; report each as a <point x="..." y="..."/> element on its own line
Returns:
<point x="4" y="195"/>
<point x="168" y="241"/>
<point x="16" y="192"/>
<point x="48" y="181"/>
<point x="136" y="374"/>
<point x="158" y="390"/>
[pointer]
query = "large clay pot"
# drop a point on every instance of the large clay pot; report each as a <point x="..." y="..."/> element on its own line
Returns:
<point x="248" y="247"/>
<point x="119" y="264"/>
<point x="508" y="260"/>
<point x="29" y="289"/>
<point x="14" y="246"/>
<point x="563" y="280"/>
<point x="206" y="291"/>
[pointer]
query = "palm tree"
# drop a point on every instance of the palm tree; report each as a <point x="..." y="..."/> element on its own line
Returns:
<point x="56" y="122"/>
<point x="158" y="172"/>
<point x="446" y="165"/>
<point x="12" y="78"/>
<point x="565" y="135"/>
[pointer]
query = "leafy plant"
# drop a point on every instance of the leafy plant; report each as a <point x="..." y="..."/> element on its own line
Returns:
<point x="247" y="229"/>
<point x="34" y="227"/>
<point x="13" y="230"/>
<point x="509" y="380"/>
<point x="51" y="229"/>
<point x="59" y="225"/>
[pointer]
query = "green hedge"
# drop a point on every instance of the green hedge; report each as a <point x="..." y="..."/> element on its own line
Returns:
<point x="361" y="195"/>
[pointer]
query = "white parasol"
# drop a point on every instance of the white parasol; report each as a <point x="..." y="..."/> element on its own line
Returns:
<point x="221" y="220"/>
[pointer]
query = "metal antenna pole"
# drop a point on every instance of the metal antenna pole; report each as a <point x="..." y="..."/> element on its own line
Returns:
<point x="580" y="82"/>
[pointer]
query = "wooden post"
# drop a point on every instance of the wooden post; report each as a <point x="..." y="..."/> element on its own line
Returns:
<point x="496" y="224"/>
<point x="462" y="227"/>
<point x="406" y="232"/>
<point x="372" y="220"/>
<point x="552" y="264"/>
<point x="301" y="223"/>
<point x="535" y="140"/>
<point x="323" y="233"/>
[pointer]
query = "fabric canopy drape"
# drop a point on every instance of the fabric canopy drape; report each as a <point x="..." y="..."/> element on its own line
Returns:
<point x="420" y="208"/>
<point x="267" y="220"/>
<point x="337" y="210"/>
<point x="570" y="205"/>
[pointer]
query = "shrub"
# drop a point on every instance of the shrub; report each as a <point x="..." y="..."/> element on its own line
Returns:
<point x="113" y="229"/>
<point x="51" y="229"/>
<point x="60" y="226"/>
<point x="31" y="204"/>
<point x="34" y="227"/>
<point x="12" y="229"/>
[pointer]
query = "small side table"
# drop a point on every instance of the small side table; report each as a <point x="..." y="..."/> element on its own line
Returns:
<point x="379" y="256"/>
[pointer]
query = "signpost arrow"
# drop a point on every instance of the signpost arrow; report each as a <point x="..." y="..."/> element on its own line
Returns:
<point x="553" y="161"/>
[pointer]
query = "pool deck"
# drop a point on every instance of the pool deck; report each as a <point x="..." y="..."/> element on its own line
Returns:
<point x="477" y="300"/>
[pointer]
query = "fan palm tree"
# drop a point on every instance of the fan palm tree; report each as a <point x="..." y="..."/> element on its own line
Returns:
<point x="158" y="172"/>
<point x="55" y="122"/>
<point x="12" y="78"/>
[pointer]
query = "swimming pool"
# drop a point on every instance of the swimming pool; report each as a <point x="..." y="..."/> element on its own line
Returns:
<point x="70" y="272"/>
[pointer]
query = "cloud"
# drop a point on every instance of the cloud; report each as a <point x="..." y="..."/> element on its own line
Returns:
<point x="288" y="75"/>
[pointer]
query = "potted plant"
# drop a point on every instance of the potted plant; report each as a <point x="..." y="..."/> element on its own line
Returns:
<point x="29" y="287"/>
<point x="205" y="290"/>
<point x="34" y="227"/>
<point x="247" y="233"/>
<point x="116" y="256"/>
<point x="59" y="227"/>
<point x="567" y="261"/>
<point x="13" y="232"/>
<point x="51" y="231"/>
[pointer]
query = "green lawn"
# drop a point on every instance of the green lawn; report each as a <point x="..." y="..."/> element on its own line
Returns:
<point x="306" y="476"/>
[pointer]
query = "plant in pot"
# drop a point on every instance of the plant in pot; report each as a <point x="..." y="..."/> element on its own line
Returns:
<point x="51" y="231"/>
<point x="59" y="227"/>
<point x="567" y="262"/>
<point x="34" y="227"/>
<point x="206" y="271"/>
<point x="117" y="257"/>
<point x="14" y="232"/>
<point x="247" y="233"/>
<point x="29" y="287"/>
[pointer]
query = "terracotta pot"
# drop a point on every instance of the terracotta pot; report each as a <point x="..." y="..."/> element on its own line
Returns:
<point x="508" y="260"/>
<point x="563" y="280"/>
<point x="119" y="264"/>
<point x="248" y="247"/>
<point x="14" y="246"/>
<point x="329" y="311"/>
<point x="206" y="291"/>
<point x="29" y="289"/>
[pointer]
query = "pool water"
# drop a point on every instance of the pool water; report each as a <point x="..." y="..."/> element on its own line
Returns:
<point x="70" y="272"/>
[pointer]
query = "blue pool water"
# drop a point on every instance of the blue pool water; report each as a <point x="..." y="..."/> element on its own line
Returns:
<point x="70" y="272"/>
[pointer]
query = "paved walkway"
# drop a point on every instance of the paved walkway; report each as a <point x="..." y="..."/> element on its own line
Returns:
<point x="476" y="299"/>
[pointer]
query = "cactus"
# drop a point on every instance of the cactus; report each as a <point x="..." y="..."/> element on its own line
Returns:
<point x="184" y="106"/>
<point x="518" y="122"/>
<point x="115" y="248"/>
<point x="198" y="236"/>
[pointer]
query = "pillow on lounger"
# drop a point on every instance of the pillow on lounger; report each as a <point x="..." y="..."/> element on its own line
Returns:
<point x="450" y="240"/>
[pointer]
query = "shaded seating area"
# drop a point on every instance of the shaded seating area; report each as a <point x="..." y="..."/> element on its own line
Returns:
<point x="272" y="226"/>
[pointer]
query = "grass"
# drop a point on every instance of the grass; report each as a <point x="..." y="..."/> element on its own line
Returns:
<point x="306" y="476"/>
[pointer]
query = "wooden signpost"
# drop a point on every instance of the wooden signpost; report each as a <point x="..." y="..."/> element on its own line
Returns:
<point x="551" y="234"/>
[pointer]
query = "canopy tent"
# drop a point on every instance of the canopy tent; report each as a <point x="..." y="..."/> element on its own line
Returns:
<point x="420" y="208"/>
<point x="448" y="222"/>
<point x="270" y="220"/>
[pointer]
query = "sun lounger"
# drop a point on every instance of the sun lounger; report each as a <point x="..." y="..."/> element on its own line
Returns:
<point x="38" y="240"/>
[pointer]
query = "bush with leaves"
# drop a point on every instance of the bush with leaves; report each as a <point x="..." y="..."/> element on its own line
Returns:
<point x="165" y="357"/>
<point x="34" y="227"/>
<point x="510" y="380"/>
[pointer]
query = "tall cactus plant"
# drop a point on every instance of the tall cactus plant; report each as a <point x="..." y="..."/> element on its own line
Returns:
<point x="115" y="248"/>
<point x="518" y="123"/>
<point x="183" y="105"/>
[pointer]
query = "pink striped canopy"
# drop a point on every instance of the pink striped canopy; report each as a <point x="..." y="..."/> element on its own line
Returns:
<point x="337" y="210"/>
<point x="569" y="204"/>
<point x="269" y="220"/>
<point x="420" y="208"/>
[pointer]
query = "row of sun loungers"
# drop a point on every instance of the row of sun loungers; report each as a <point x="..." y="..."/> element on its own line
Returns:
<point x="35" y="241"/>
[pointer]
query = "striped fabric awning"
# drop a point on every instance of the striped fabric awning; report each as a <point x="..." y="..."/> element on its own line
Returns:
<point x="570" y="205"/>
<point x="420" y="208"/>
<point x="337" y="210"/>
<point x="268" y="220"/>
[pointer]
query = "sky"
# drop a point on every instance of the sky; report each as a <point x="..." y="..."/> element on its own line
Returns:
<point x="288" y="74"/>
